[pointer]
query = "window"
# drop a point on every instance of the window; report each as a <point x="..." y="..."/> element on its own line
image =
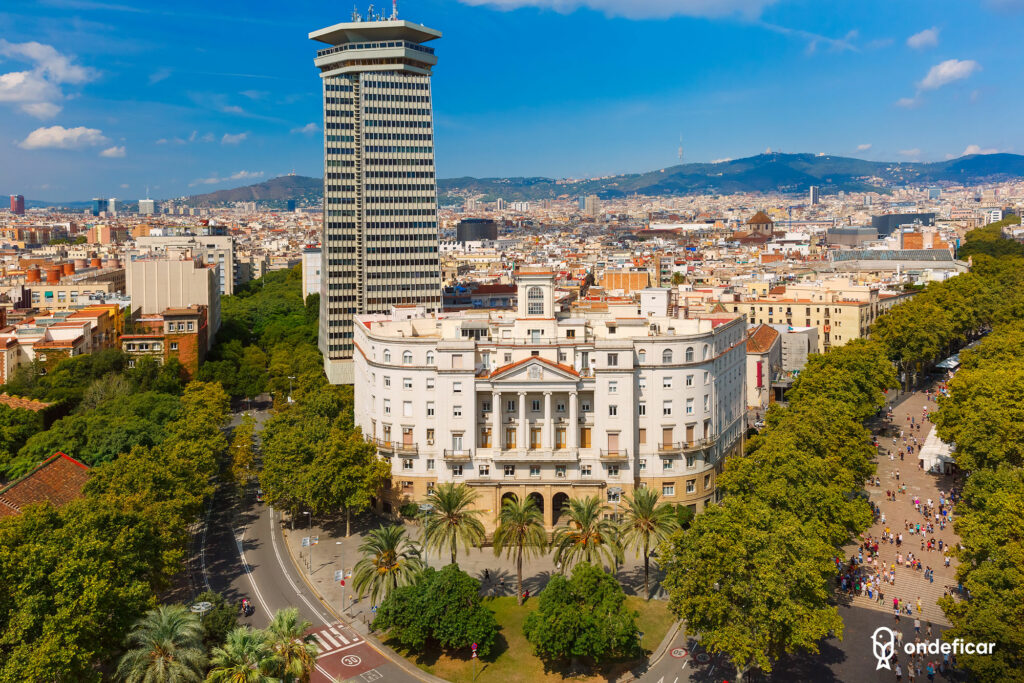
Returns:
<point x="430" y="437"/>
<point x="510" y="470"/>
<point x="707" y="481"/>
<point x="613" y="410"/>
<point x="689" y="354"/>
<point x="174" y="346"/>
<point x="485" y="437"/>
<point x="668" y="490"/>
<point x="691" y="485"/>
<point x="666" y="382"/>
<point x="535" y="405"/>
<point x="641" y="356"/>
<point x="430" y="383"/>
<point x="457" y="443"/>
<point x="456" y="387"/>
<point x="641" y="409"/>
<point x="559" y="471"/>
<point x="666" y="465"/>
<point x="642" y="435"/>
<point x="613" y="387"/>
<point x="387" y="355"/>
<point x="707" y="401"/>
<point x="508" y="358"/>
<point x="430" y="357"/>
<point x="707" y="378"/>
<point x="430" y="409"/>
<point x="456" y="470"/>
<point x="585" y="470"/>
<point x="570" y="334"/>
<point x="689" y="380"/>
<point x="407" y="382"/>
<point x="510" y="437"/>
<point x="430" y="464"/>
<point x="689" y="406"/>
<point x="559" y="407"/>
<point x="642" y="382"/>
<point x="666" y="408"/>
<point x="707" y="351"/>
<point x="407" y="357"/>
<point x="613" y="359"/>
<point x="666" y="356"/>
<point x="689" y="460"/>
<point x="534" y="470"/>
<point x="387" y="406"/>
<point x="585" y="406"/>
<point x="485" y="407"/>
<point x="534" y="301"/>
<point x="613" y="470"/>
<point x="613" y="496"/>
<point x="484" y="470"/>
<point x="387" y="380"/>
<point x="406" y="408"/>
<point x="191" y="325"/>
<point x="407" y="464"/>
<point x="456" y="411"/>
<point x="511" y="406"/>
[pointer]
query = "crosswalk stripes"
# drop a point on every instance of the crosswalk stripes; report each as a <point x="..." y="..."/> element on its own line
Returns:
<point x="332" y="638"/>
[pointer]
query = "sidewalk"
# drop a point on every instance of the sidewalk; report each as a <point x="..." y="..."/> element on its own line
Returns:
<point x="910" y="583"/>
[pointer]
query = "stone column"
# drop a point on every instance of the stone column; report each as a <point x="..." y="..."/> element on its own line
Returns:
<point x="496" y="421"/>
<point x="549" y="427"/>
<point x="572" y="434"/>
<point x="523" y="436"/>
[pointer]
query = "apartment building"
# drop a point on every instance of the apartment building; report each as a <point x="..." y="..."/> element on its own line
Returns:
<point x="181" y="333"/>
<point x="214" y="250"/>
<point x="157" y="284"/>
<point x="551" y="404"/>
<point x="841" y="310"/>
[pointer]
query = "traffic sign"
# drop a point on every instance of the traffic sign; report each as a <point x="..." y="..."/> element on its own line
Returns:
<point x="474" y="647"/>
<point x="305" y="541"/>
<point x="679" y="652"/>
<point x="315" y="540"/>
<point x="374" y="609"/>
<point x="339" y="575"/>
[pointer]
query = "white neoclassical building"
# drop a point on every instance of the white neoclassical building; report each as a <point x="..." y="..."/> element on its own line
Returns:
<point x="549" y="404"/>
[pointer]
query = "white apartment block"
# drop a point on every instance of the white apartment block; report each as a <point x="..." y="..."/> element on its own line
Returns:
<point x="543" y="403"/>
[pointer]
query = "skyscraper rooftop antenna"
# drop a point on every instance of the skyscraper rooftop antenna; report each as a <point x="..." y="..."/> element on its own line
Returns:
<point x="355" y="14"/>
<point x="394" y="10"/>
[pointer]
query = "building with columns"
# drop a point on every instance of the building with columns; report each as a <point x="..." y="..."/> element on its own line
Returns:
<point x="551" y="404"/>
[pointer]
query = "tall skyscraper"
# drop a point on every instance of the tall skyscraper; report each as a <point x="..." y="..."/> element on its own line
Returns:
<point x="379" y="241"/>
<point x="147" y="207"/>
<point x="815" y="195"/>
<point x="17" y="205"/>
<point x="99" y="205"/>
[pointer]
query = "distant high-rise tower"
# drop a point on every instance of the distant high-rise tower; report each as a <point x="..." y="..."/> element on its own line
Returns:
<point x="17" y="205"/>
<point x="815" y="195"/>
<point x="99" y="205"/>
<point x="380" y="235"/>
<point x="147" y="207"/>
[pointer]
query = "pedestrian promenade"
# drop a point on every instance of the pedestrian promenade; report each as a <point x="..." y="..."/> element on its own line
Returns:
<point x="906" y="481"/>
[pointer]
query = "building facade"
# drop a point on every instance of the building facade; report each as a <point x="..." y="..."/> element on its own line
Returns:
<point x="156" y="285"/>
<point x="17" y="205"/>
<point x="379" y="239"/>
<point x="553" y="405"/>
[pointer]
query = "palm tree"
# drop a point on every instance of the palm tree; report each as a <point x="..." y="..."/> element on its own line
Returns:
<point x="165" y="646"/>
<point x="287" y="637"/>
<point x="647" y="523"/>
<point x="521" y="533"/>
<point x="587" y="537"/>
<point x="389" y="560"/>
<point x="452" y="521"/>
<point x="246" y="657"/>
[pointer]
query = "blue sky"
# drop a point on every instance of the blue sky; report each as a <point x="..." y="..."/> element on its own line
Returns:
<point x="102" y="97"/>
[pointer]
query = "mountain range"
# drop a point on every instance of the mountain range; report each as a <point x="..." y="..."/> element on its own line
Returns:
<point x="764" y="173"/>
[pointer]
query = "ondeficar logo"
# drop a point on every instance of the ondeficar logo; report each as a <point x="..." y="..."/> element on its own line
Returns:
<point x="883" y="645"/>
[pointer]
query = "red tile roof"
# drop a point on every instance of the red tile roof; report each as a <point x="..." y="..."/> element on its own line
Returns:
<point x="505" y="368"/>
<point x="23" y="403"/>
<point x="761" y="339"/>
<point x="58" y="481"/>
<point x="759" y="218"/>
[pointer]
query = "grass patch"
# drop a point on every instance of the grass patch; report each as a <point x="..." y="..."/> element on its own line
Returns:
<point x="513" y="661"/>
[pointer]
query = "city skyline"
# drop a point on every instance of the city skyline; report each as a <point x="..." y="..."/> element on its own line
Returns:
<point x="103" y="99"/>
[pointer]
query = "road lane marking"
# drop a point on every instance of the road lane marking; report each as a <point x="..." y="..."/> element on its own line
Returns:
<point x="287" y="576"/>
<point x="340" y="637"/>
<point x="327" y="636"/>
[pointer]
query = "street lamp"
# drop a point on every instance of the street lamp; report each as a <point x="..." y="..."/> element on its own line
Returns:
<point x="290" y="378"/>
<point x="426" y="509"/>
<point x="201" y="608"/>
<point x="310" y="554"/>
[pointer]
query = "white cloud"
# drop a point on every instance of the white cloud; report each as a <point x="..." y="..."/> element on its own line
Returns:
<point x="864" y="147"/>
<point x="113" y="152"/>
<point x="233" y="138"/>
<point x="307" y="129"/>
<point x="37" y="91"/>
<point x="639" y="9"/>
<point x="125" y="186"/>
<point x="947" y="72"/>
<point x="159" y="75"/>
<point x="907" y="102"/>
<point x="59" y="137"/>
<point x="924" y="39"/>
<point x="912" y="153"/>
<point x="238" y="175"/>
<point x="977" y="149"/>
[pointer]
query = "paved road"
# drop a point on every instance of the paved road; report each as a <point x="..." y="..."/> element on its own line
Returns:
<point x="242" y="554"/>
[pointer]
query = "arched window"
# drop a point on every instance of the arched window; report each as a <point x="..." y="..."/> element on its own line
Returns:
<point x="387" y="355"/>
<point x="430" y="357"/>
<point x="707" y="350"/>
<point x="666" y="356"/>
<point x="407" y="357"/>
<point x="689" y="354"/>
<point x="641" y="356"/>
<point x="534" y="301"/>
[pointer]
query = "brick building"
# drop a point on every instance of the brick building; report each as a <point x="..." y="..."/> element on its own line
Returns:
<point x="181" y="333"/>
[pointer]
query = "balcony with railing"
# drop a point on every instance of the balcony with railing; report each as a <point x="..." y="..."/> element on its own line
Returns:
<point x="671" y="448"/>
<point x="374" y="46"/>
<point x="397" y="447"/>
<point x="614" y="454"/>
<point x="697" y="445"/>
<point x="458" y="454"/>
